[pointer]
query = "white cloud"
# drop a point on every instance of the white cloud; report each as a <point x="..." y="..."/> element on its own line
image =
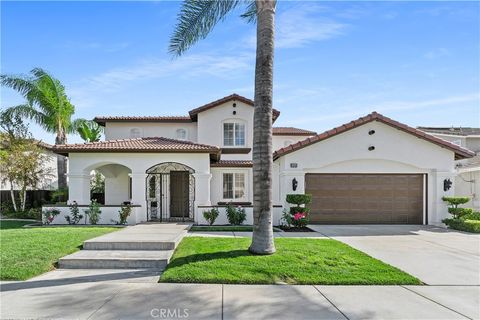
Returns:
<point x="437" y="53"/>
<point x="300" y="25"/>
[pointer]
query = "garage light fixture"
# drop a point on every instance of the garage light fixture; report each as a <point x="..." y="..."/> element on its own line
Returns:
<point x="294" y="184"/>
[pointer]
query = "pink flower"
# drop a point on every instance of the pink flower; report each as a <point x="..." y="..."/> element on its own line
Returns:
<point x="297" y="216"/>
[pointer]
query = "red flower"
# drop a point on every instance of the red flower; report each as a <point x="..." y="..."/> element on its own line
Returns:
<point x="297" y="216"/>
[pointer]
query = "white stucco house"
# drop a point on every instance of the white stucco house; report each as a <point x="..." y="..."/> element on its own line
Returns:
<point x="467" y="180"/>
<point x="371" y="170"/>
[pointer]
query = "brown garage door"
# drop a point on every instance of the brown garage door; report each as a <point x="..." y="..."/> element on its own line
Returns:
<point x="365" y="198"/>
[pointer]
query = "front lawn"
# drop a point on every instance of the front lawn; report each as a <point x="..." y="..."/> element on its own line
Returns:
<point x="226" y="228"/>
<point x="297" y="261"/>
<point x="27" y="252"/>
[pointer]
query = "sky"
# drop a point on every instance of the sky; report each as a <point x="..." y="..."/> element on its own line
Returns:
<point x="416" y="62"/>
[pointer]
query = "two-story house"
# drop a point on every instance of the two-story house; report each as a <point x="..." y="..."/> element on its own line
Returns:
<point x="371" y="170"/>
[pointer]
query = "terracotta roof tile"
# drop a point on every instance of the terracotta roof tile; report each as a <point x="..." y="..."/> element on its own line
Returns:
<point x="460" y="152"/>
<point x="102" y="119"/>
<point x="150" y="144"/>
<point x="291" y="131"/>
<point x="232" y="164"/>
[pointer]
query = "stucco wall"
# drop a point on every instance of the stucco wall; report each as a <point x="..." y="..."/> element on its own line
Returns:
<point x="279" y="142"/>
<point x="467" y="184"/>
<point x="395" y="152"/>
<point x="121" y="130"/>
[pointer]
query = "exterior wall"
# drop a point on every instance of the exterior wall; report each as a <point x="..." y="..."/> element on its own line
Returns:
<point x="473" y="143"/>
<point x="395" y="152"/>
<point x="467" y="184"/>
<point x="210" y="126"/>
<point x="121" y="130"/>
<point x="222" y="217"/>
<point x="279" y="142"/>
<point x="216" y="184"/>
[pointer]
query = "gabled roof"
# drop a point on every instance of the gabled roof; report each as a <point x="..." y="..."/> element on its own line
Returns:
<point x="460" y="152"/>
<point x="456" y="131"/>
<point x="291" y="131"/>
<point x="235" y="97"/>
<point x="102" y="119"/>
<point x="151" y="144"/>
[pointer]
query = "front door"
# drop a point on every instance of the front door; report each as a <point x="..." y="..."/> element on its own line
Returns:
<point x="179" y="205"/>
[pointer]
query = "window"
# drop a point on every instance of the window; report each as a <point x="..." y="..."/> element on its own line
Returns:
<point x="233" y="185"/>
<point x="135" y="133"/>
<point x="233" y="134"/>
<point x="181" y="134"/>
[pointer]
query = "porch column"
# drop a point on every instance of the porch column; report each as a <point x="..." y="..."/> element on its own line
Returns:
<point x="202" y="189"/>
<point x="79" y="188"/>
<point x="138" y="195"/>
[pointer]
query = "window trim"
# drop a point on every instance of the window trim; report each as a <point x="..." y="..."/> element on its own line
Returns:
<point x="234" y="179"/>
<point x="140" y="132"/>
<point x="185" y="138"/>
<point x="245" y="134"/>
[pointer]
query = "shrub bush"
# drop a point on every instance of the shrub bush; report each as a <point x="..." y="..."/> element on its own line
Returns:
<point x="299" y="199"/>
<point x="60" y="195"/>
<point x="474" y="215"/>
<point x="453" y="203"/>
<point x="93" y="212"/>
<point x="124" y="213"/>
<point x="463" y="225"/>
<point x="49" y="215"/>
<point x="211" y="215"/>
<point x="75" y="215"/>
<point x="236" y="216"/>
<point x="32" y="213"/>
<point x="298" y="214"/>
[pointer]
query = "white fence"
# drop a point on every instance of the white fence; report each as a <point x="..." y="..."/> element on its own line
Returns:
<point x="109" y="214"/>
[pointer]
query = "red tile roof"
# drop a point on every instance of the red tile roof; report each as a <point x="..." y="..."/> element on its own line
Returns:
<point x="290" y="131"/>
<point x="151" y="144"/>
<point x="232" y="164"/>
<point x="102" y="119"/>
<point x="194" y="112"/>
<point x="460" y="152"/>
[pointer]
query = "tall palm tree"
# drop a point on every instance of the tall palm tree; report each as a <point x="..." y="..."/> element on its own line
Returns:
<point x="46" y="104"/>
<point x="195" y="20"/>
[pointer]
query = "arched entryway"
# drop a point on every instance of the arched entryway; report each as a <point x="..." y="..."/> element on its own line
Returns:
<point x="170" y="192"/>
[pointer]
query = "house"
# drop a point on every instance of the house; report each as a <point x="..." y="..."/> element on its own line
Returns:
<point x="467" y="181"/>
<point x="371" y="170"/>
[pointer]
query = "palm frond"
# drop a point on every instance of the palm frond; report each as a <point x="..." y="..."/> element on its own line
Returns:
<point x="250" y="14"/>
<point x="21" y="83"/>
<point x="195" y="21"/>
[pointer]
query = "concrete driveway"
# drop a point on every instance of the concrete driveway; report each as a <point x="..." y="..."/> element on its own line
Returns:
<point x="435" y="255"/>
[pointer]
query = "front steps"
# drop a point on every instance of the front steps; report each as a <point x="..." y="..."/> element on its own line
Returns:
<point x="138" y="247"/>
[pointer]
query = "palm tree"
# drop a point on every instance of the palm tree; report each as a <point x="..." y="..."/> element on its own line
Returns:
<point x="90" y="131"/>
<point x="195" y="20"/>
<point x="46" y="104"/>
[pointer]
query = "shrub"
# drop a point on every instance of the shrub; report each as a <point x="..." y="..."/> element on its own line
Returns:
<point x="236" y="216"/>
<point x="453" y="203"/>
<point x="124" y="213"/>
<point x="286" y="218"/>
<point x="300" y="219"/>
<point x="211" y="215"/>
<point x="463" y="225"/>
<point x="93" y="212"/>
<point x="60" y="195"/>
<point x="298" y="214"/>
<point x="75" y="214"/>
<point x="299" y="199"/>
<point x="49" y="215"/>
<point x="474" y="215"/>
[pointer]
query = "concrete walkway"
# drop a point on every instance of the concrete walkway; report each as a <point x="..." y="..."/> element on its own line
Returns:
<point x="51" y="299"/>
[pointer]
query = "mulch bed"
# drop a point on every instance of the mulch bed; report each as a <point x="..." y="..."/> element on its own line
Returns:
<point x="293" y="229"/>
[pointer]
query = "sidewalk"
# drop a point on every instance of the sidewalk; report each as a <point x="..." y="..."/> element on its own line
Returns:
<point x="56" y="299"/>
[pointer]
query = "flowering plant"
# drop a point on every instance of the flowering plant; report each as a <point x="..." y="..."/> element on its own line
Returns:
<point x="49" y="215"/>
<point x="300" y="219"/>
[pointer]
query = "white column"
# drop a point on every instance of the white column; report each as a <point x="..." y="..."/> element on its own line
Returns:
<point x="202" y="189"/>
<point x="138" y="195"/>
<point x="79" y="188"/>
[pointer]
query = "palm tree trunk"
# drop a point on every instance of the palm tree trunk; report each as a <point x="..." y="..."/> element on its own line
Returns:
<point x="262" y="239"/>
<point x="61" y="163"/>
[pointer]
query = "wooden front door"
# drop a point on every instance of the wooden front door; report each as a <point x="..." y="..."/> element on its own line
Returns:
<point x="179" y="184"/>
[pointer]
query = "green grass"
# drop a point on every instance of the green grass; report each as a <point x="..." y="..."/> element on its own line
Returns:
<point x="297" y="261"/>
<point x="225" y="228"/>
<point x="27" y="252"/>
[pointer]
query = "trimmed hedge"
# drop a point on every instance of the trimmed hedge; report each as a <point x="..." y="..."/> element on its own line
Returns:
<point x="463" y="225"/>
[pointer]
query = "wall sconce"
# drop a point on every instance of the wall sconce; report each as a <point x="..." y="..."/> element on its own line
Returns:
<point x="447" y="184"/>
<point x="371" y="148"/>
<point x="294" y="184"/>
<point x="371" y="132"/>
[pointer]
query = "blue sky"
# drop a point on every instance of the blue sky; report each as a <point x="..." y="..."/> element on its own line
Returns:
<point x="417" y="62"/>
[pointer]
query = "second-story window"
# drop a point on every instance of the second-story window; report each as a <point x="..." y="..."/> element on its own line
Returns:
<point x="233" y="134"/>
<point x="181" y="134"/>
<point x="135" y="133"/>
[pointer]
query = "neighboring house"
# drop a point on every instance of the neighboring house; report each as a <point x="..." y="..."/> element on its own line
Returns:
<point x="468" y="179"/>
<point x="371" y="170"/>
<point x="51" y="181"/>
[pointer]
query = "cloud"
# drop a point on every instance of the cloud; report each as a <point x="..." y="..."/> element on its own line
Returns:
<point x="437" y="53"/>
<point x="301" y="25"/>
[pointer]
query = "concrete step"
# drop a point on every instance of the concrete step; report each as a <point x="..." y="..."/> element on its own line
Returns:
<point x="117" y="259"/>
<point x="125" y="240"/>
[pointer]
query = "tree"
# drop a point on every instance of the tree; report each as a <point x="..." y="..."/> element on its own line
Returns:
<point x="195" y="21"/>
<point x="21" y="158"/>
<point x="90" y="131"/>
<point x="48" y="105"/>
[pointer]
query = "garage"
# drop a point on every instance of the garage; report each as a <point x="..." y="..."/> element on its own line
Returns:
<point x="366" y="198"/>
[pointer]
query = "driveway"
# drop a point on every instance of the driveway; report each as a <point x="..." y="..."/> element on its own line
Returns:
<point x="435" y="255"/>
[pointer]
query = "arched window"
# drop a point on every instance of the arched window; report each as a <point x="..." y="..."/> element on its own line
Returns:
<point x="181" y="134"/>
<point x="135" y="133"/>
